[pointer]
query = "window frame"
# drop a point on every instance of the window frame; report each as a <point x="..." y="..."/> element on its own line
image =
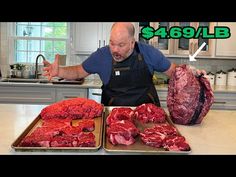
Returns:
<point x="12" y="38"/>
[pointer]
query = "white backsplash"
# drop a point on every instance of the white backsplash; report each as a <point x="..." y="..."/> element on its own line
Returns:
<point x="209" y="65"/>
<point x="78" y="59"/>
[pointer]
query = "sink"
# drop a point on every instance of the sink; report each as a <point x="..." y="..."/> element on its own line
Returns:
<point x="42" y="81"/>
<point x="19" y="80"/>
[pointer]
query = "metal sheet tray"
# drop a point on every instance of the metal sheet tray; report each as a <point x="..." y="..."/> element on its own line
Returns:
<point x="37" y="122"/>
<point x="138" y="146"/>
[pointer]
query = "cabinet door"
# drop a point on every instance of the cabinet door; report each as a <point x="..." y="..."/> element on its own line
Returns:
<point x="86" y="37"/>
<point x="185" y="46"/>
<point x="68" y="93"/>
<point x="224" y="100"/>
<point x="106" y="30"/>
<point x="27" y="95"/>
<point x="162" y="94"/>
<point x="164" y="45"/>
<point x="227" y="47"/>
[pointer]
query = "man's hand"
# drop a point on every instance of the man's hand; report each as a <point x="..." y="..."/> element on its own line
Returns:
<point x="51" y="70"/>
<point x="197" y="72"/>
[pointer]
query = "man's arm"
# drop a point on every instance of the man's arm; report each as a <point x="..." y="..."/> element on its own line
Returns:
<point x="67" y="72"/>
<point x="171" y="69"/>
<point x="72" y="72"/>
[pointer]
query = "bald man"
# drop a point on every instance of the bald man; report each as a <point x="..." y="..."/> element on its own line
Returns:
<point x="125" y="67"/>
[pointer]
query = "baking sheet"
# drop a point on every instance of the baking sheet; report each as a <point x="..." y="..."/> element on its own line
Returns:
<point x="37" y="122"/>
<point x="138" y="146"/>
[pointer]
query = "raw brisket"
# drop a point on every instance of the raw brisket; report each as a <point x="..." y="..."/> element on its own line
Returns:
<point x="189" y="97"/>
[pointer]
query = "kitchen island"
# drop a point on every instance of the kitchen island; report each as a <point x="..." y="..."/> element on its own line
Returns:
<point x="215" y="135"/>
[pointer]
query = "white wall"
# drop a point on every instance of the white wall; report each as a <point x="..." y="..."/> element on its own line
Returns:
<point x="4" y="43"/>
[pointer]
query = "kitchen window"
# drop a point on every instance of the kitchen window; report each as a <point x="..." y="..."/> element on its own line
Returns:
<point x="32" y="38"/>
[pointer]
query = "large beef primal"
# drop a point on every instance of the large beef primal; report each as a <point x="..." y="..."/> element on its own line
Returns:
<point x="189" y="97"/>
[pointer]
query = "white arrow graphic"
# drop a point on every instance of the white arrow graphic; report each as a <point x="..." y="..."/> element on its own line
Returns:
<point x="192" y="58"/>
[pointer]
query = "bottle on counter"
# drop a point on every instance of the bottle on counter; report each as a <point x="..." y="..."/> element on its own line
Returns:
<point x="26" y="72"/>
<point x="14" y="70"/>
<point x="221" y="78"/>
<point x="231" y="79"/>
<point x="211" y="77"/>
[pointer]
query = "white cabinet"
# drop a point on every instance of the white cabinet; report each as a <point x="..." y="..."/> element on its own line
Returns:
<point x="95" y="94"/>
<point x="38" y="95"/>
<point x="68" y="93"/>
<point x="185" y="46"/>
<point x="162" y="94"/>
<point x="87" y="37"/>
<point x="181" y="46"/>
<point x="227" y="47"/>
<point x="224" y="100"/>
<point x="27" y="95"/>
<point x="163" y="44"/>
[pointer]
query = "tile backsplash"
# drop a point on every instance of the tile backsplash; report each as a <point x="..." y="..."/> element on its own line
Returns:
<point x="208" y="64"/>
<point x="78" y="59"/>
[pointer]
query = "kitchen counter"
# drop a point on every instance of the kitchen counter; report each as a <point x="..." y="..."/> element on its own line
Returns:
<point x="215" y="88"/>
<point x="89" y="83"/>
<point x="215" y="135"/>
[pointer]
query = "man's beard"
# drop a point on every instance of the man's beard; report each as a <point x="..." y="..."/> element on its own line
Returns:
<point x="119" y="58"/>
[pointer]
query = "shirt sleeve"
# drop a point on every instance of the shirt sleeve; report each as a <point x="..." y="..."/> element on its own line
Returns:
<point x="154" y="58"/>
<point x="90" y="63"/>
<point x="99" y="62"/>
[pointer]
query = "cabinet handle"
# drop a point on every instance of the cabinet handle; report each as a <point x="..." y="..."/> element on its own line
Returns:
<point x="104" y="43"/>
<point x="191" y="48"/>
<point x="220" y="102"/>
<point x="98" y="94"/>
<point x="99" y="43"/>
<point x="196" y="46"/>
<point x="70" y="97"/>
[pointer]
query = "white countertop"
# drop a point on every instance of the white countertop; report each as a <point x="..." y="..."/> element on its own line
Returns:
<point x="90" y="83"/>
<point x="215" y="88"/>
<point x="86" y="84"/>
<point x="215" y="135"/>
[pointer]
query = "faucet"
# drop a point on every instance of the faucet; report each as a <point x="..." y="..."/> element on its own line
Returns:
<point x="36" y="65"/>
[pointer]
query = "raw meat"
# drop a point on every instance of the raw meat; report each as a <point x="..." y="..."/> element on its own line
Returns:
<point x="75" y="108"/>
<point x="120" y="114"/>
<point x="150" y="113"/>
<point x="87" y="125"/>
<point x="122" y="132"/>
<point x="164" y="136"/>
<point x="56" y="133"/>
<point x="189" y="97"/>
<point x="154" y="139"/>
<point x="176" y="143"/>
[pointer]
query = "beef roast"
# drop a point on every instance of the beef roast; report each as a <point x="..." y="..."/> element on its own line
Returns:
<point x="189" y="97"/>
<point x="164" y="136"/>
<point x="150" y="113"/>
<point x="118" y="114"/>
<point x="176" y="143"/>
<point x="61" y="133"/>
<point x="75" y="108"/>
<point x="122" y="132"/>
